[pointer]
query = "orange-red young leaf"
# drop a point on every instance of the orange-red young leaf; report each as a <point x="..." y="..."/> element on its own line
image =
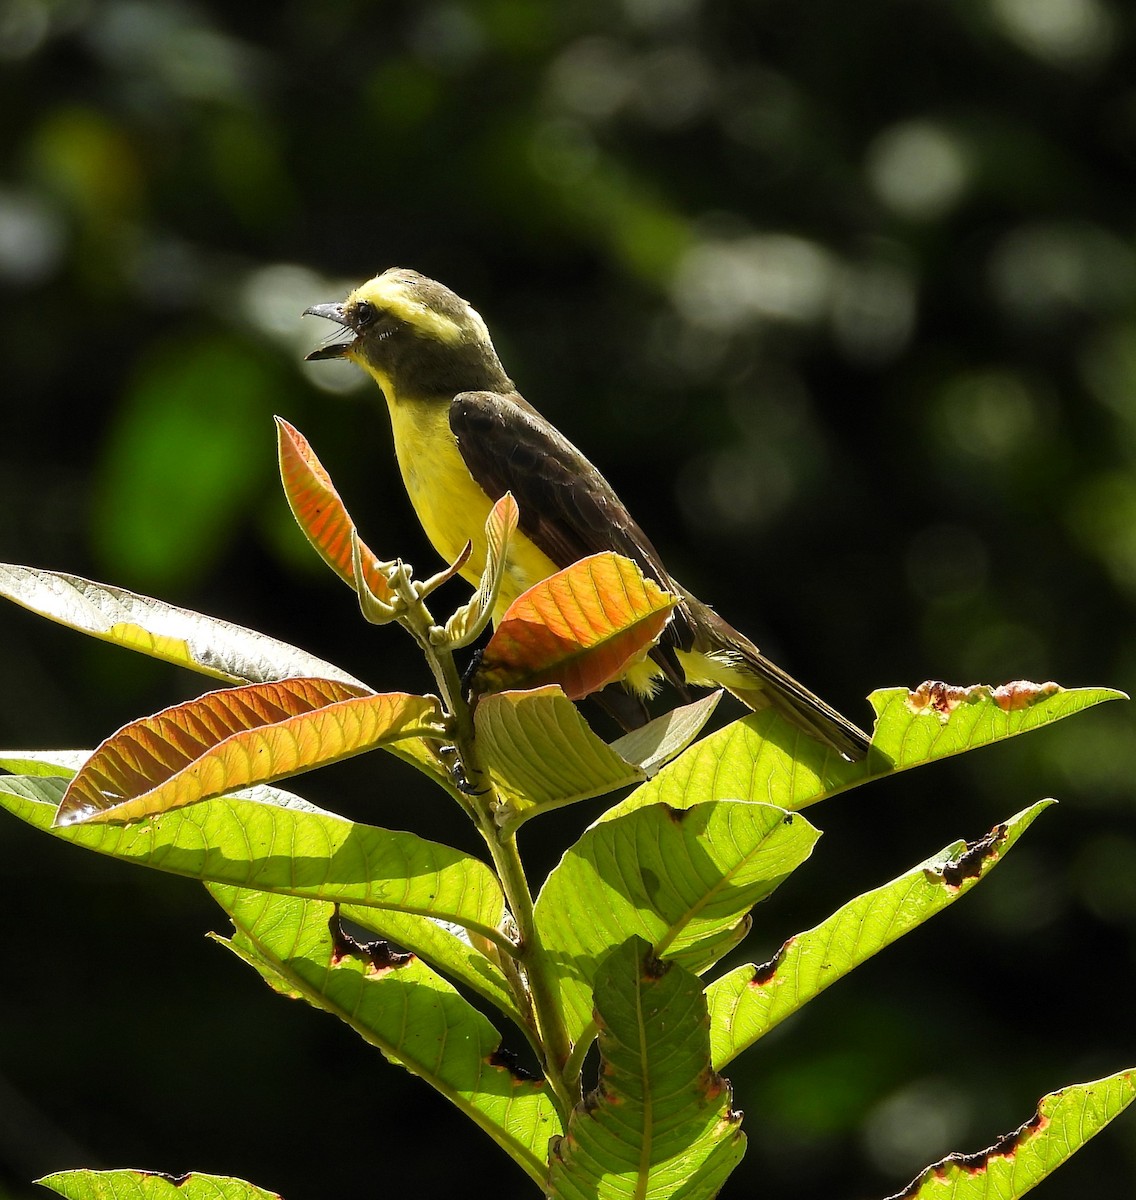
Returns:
<point x="234" y="738"/>
<point x="320" y="512"/>
<point x="582" y="628"/>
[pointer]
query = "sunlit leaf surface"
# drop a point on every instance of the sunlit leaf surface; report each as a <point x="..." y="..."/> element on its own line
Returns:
<point x="750" y="1000"/>
<point x="232" y="738"/>
<point x="1063" y="1123"/>
<point x="399" y="1005"/>
<point x="273" y="840"/>
<point x="761" y="758"/>
<point x="580" y="628"/>
<point x="660" y="1122"/>
<point x="683" y="879"/>
<point x="151" y="1185"/>
<point x="541" y="753"/>
<point x="177" y="635"/>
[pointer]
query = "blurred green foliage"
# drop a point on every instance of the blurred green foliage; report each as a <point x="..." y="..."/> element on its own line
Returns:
<point x="842" y="298"/>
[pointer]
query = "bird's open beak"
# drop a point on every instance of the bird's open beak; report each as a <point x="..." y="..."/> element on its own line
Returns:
<point x="331" y="312"/>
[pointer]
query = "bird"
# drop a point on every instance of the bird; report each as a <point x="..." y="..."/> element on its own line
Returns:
<point x="464" y="436"/>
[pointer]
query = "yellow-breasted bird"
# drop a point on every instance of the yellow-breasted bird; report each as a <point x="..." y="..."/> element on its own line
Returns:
<point x="464" y="436"/>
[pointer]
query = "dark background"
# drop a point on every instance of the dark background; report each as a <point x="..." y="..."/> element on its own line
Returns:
<point x="842" y="297"/>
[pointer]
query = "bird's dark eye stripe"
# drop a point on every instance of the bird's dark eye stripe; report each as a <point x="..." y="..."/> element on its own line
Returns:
<point x="364" y="313"/>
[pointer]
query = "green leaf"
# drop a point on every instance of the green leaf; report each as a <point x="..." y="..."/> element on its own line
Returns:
<point x="581" y="628"/>
<point x="62" y="763"/>
<point x="177" y="635"/>
<point x="466" y="624"/>
<point x="231" y="738"/>
<point x="653" y="745"/>
<point x="410" y="1013"/>
<point x="296" y="851"/>
<point x="151" y="1185"/>
<point x="746" y="1003"/>
<point x="761" y="758"/>
<point x="1018" y="1162"/>
<point x="683" y="879"/>
<point x="659" y="1124"/>
<point x="447" y="948"/>
<point x="541" y="754"/>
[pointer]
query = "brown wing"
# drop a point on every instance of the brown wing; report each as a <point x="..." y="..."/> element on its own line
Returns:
<point x="568" y="510"/>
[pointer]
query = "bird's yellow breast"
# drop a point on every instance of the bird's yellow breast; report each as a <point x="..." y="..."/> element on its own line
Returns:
<point x="450" y="505"/>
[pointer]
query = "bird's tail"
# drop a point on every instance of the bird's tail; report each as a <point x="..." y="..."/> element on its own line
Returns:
<point x="720" y="656"/>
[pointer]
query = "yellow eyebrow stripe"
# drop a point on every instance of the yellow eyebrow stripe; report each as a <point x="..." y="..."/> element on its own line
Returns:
<point x="395" y="297"/>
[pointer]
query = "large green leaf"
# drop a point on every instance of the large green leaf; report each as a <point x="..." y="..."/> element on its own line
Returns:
<point x="151" y="1185"/>
<point x="659" y="1124"/>
<point x="541" y="754"/>
<point x="750" y="1000"/>
<point x="61" y="763"/>
<point x="399" y="1005"/>
<point x="1018" y="1162"/>
<point x="235" y="737"/>
<point x="683" y="879"/>
<point x="762" y="758"/>
<point x="178" y="635"/>
<point x="297" y="851"/>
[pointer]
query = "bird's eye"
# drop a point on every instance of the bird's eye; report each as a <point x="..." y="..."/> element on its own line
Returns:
<point x="363" y="314"/>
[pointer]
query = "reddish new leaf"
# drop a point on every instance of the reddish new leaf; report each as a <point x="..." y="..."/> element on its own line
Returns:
<point x="581" y="628"/>
<point x="234" y="738"/>
<point x="320" y="512"/>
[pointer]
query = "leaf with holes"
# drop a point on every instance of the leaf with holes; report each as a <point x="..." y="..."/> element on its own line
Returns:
<point x="321" y="514"/>
<point x="175" y="635"/>
<point x="581" y="628"/>
<point x="760" y="757"/>
<point x="151" y="1185"/>
<point x="1018" y="1162"/>
<point x="230" y="739"/>
<point x="399" y="1005"/>
<point x="684" y="879"/>
<point x="660" y="1122"/>
<point x="749" y="1001"/>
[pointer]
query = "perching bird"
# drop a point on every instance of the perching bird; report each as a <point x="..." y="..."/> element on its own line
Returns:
<point x="464" y="436"/>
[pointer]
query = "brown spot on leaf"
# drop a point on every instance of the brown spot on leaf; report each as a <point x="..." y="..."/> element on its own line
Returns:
<point x="378" y="955"/>
<point x="935" y="696"/>
<point x="764" y="973"/>
<point x="677" y="815"/>
<point x="1020" y="693"/>
<point x="974" y="1164"/>
<point x="509" y="1061"/>
<point x="969" y="864"/>
<point x="654" y="968"/>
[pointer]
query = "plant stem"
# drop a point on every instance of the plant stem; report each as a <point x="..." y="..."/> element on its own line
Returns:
<point x="551" y="1035"/>
<point x="545" y="1001"/>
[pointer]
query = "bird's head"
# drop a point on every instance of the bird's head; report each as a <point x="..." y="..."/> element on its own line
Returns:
<point x="415" y="336"/>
